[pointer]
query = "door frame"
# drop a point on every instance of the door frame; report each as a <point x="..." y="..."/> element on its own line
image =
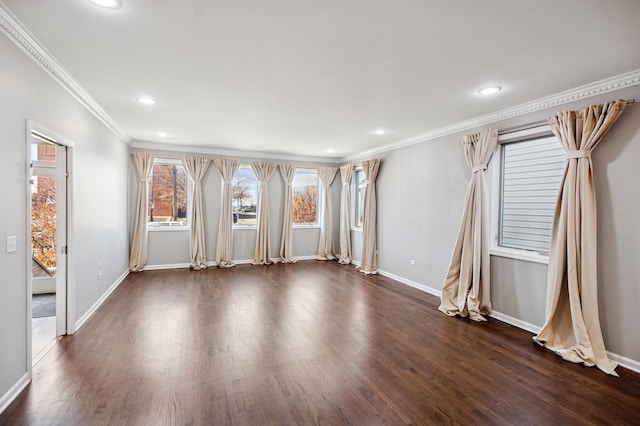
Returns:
<point x="70" y="328"/>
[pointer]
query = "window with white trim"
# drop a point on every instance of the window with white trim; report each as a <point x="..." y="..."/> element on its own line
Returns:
<point x="305" y="197"/>
<point x="531" y="169"/>
<point x="168" y="189"/>
<point x="244" y="197"/>
<point x="361" y="187"/>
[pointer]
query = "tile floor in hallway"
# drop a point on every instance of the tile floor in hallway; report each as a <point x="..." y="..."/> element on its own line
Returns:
<point x="43" y="335"/>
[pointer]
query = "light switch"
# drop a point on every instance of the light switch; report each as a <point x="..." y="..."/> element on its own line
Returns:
<point x="11" y="244"/>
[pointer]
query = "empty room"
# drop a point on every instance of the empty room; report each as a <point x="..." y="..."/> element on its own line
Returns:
<point x="338" y="212"/>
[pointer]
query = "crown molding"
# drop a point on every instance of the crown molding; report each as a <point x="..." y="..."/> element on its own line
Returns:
<point x="205" y="150"/>
<point x="17" y="33"/>
<point x="583" y="92"/>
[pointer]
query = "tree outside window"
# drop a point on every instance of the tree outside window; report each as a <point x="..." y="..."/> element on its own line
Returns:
<point x="305" y="197"/>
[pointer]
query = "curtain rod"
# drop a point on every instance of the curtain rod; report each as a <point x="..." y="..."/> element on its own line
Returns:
<point x="538" y="123"/>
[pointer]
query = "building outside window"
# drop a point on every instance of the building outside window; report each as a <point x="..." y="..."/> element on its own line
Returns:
<point x="530" y="176"/>
<point x="168" y="189"/>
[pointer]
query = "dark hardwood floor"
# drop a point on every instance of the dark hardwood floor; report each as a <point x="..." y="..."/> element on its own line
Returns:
<point x="308" y="343"/>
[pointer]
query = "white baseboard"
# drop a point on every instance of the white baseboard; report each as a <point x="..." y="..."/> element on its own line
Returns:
<point x="515" y="322"/>
<point x="100" y="301"/>
<point x="13" y="392"/>
<point x="310" y="257"/>
<point x="168" y="266"/>
<point x="410" y="283"/>
<point x="625" y="362"/>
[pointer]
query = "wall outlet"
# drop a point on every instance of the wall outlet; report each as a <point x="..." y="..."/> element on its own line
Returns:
<point x="11" y="244"/>
<point x="412" y="262"/>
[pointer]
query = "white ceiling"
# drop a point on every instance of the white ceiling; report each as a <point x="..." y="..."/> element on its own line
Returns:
<point x="303" y="77"/>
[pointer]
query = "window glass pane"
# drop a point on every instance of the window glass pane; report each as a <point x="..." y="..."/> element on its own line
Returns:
<point x="244" y="196"/>
<point x="305" y="197"/>
<point x="361" y="186"/>
<point x="43" y="225"/>
<point x="168" y="195"/>
<point x="43" y="151"/>
<point x="531" y="175"/>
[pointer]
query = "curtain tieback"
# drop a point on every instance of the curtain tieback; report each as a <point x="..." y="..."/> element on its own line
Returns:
<point x="479" y="168"/>
<point x="579" y="154"/>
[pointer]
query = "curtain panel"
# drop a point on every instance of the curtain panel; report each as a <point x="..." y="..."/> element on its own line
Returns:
<point x="572" y="328"/>
<point x="466" y="289"/>
<point x="345" y="215"/>
<point x="287" y="171"/>
<point x="196" y="168"/>
<point x="369" y="263"/>
<point x="143" y="163"/>
<point x="224" y="244"/>
<point x="264" y="172"/>
<point x="325" y="245"/>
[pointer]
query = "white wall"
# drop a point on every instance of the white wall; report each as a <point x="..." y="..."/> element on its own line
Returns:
<point x="27" y="92"/>
<point x="420" y="197"/>
<point x="172" y="247"/>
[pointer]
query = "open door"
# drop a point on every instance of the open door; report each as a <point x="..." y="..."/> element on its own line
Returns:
<point x="48" y="220"/>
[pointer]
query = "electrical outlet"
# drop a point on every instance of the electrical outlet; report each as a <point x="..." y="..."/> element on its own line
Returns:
<point x="11" y="244"/>
<point x="413" y="262"/>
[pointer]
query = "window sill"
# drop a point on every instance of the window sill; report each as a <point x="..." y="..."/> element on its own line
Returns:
<point x="519" y="255"/>
<point x="356" y="229"/>
<point x="314" y="226"/>
<point x="244" y="227"/>
<point x="167" y="228"/>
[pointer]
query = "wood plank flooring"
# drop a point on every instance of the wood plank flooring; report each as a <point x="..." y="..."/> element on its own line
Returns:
<point x="305" y="343"/>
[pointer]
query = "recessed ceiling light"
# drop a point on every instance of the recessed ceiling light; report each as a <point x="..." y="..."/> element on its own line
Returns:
<point x="146" y="100"/>
<point x="380" y="132"/>
<point x="162" y="134"/>
<point x="490" y="90"/>
<point x="111" y="4"/>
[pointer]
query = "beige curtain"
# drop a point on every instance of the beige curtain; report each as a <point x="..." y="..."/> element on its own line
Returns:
<point x="287" y="171"/>
<point x="143" y="163"/>
<point x="572" y="329"/>
<point x="466" y="289"/>
<point x="369" y="263"/>
<point x="325" y="245"/>
<point x="263" y="172"/>
<point x="224" y="244"/>
<point x="196" y="168"/>
<point x="345" y="215"/>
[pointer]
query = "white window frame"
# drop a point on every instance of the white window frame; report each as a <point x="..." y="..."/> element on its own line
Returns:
<point x="189" y="190"/>
<point x="236" y="226"/>
<point x="354" y="197"/>
<point x="494" y="173"/>
<point x="319" y="199"/>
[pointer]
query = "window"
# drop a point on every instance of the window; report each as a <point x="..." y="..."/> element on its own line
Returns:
<point x="305" y="197"/>
<point x="361" y="186"/>
<point x="244" y="195"/>
<point x="531" y="172"/>
<point x="168" y="195"/>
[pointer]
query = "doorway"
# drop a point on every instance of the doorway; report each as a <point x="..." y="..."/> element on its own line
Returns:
<point x="48" y="218"/>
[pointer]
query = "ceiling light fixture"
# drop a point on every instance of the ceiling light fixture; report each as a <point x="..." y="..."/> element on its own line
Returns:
<point x="380" y="132"/>
<point x="146" y="100"/>
<point x="490" y="90"/>
<point x="162" y="134"/>
<point x="110" y="4"/>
